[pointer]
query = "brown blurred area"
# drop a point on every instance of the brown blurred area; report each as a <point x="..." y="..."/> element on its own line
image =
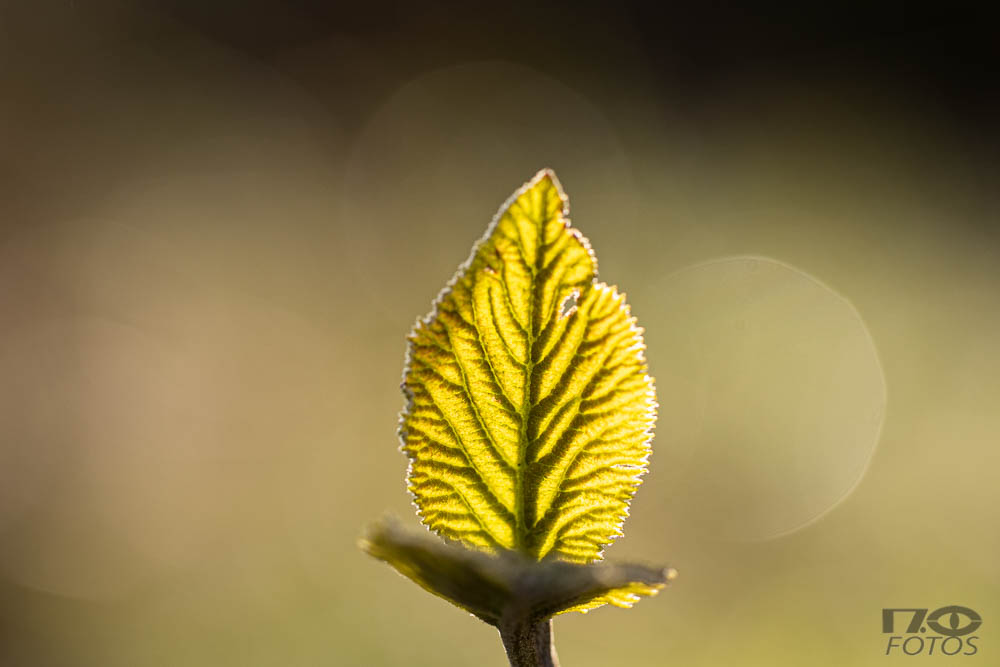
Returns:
<point x="218" y="222"/>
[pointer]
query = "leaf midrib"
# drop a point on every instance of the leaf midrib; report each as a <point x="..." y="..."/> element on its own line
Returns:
<point x="520" y="501"/>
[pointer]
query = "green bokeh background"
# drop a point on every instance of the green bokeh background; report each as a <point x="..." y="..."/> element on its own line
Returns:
<point x="209" y="260"/>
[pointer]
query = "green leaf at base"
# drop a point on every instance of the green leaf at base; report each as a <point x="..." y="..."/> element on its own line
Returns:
<point x="498" y="587"/>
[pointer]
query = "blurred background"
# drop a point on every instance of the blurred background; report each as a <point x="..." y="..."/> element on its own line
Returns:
<point x="218" y="221"/>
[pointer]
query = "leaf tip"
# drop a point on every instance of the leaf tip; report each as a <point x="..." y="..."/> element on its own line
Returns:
<point x="546" y="173"/>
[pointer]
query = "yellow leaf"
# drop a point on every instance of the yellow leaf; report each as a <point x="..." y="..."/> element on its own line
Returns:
<point x="530" y="410"/>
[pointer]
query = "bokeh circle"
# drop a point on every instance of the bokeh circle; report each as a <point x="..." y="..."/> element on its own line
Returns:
<point x="771" y="394"/>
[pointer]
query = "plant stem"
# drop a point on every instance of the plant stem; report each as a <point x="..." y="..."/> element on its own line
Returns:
<point x="528" y="643"/>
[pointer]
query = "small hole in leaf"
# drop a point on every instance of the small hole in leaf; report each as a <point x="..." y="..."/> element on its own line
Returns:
<point x="568" y="304"/>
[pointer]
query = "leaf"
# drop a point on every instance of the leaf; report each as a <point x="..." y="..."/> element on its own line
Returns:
<point x="509" y="584"/>
<point x="468" y="579"/>
<point x="530" y="410"/>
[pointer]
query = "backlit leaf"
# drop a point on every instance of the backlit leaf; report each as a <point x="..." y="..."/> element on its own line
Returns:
<point x="529" y="410"/>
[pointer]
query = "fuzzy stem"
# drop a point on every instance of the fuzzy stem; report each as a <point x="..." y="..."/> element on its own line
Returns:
<point x="528" y="643"/>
